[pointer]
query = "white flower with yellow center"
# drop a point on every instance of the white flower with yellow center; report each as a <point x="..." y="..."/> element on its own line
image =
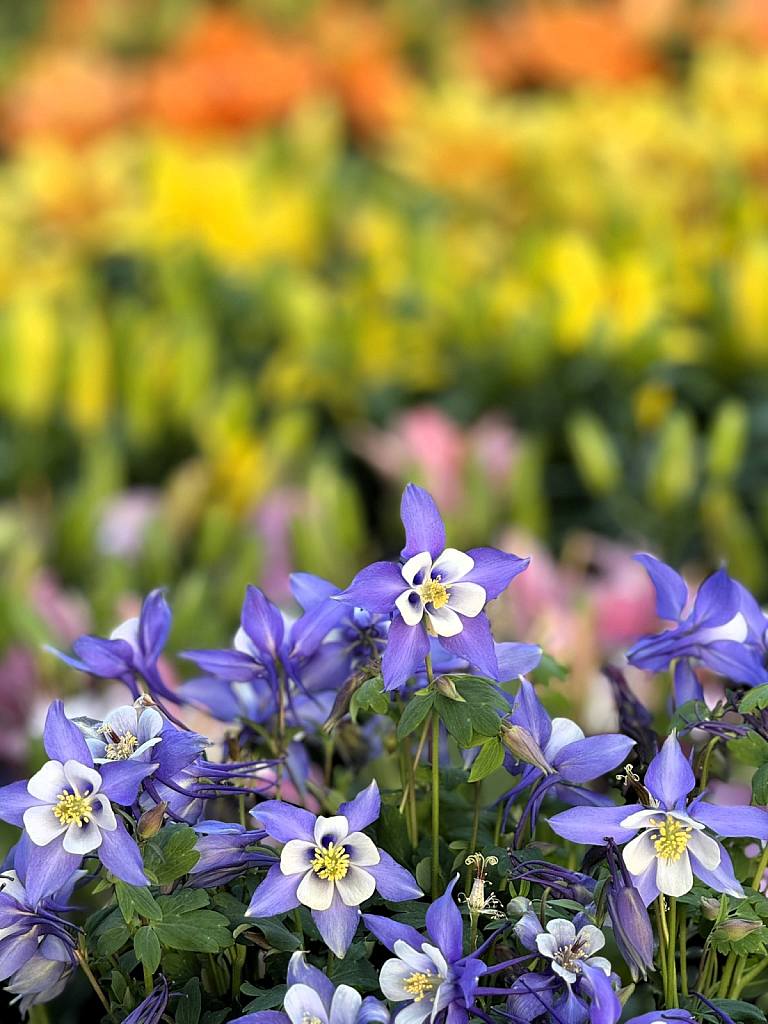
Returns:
<point x="72" y="806"/>
<point x="425" y="978"/>
<point x="669" y="838"/>
<point x="436" y="589"/>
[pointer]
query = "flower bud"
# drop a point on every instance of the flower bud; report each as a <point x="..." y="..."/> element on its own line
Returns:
<point x="710" y="907"/>
<point x="344" y="698"/>
<point x="735" y="929"/>
<point x="524" y="747"/>
<point x="151" y="821"/>
<point x="632" y="928"/>
<point x="446" y="686"/>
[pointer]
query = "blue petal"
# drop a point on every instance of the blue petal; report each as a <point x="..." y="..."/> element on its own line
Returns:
<point x="234" y="666"/>
<point x="669" y="777"/>
<point x="154" y="625"/>
<point x="746" y="822"/>
<point x="275" y="895"/>
<point x="475" y="643"/>
<point x="389" y="932"/>
<point x="375" y="588"/>
<point x="604" y="1005"/>
<point x="393" y="881"/>
<point x="177" y="750"/>
<point x="16" y="951"/>
<point x="363" y="809"/>
<point x="285" y="822"/>
<point x="216" y="696"/>
<point x="62" y="738"/>
<point x="722" y="879"/>
<point x="373" y="1012"/>
<point x="735" y="661"/>
<point x="337" y="925"/>
<point x="262" y="621"/>
<point x="264" y="1017"/>
<point x="424" y="529"/>
<point x="308" y="632"/>
<point x="671" y="591"/>
<point x="121" y="779"/>
<point x="530" y="714"/>
<point x="407" y="648"/>
<point x="494" y="570"/>
<point x="591" y="826"/>
<point x="109" y="659"/>
<point x="310" y="590"/>
<point x="120" y="855"/>
<point x="444" y="924"/>
<point x="516" y="659"/>
<point x="717" y="601"/>
<point x="589" y="758"/>
<point x="687" y="685"/>
<point x="14" y="800"/>
<point x="302" y="973"/>
<point x="49" y="868"/>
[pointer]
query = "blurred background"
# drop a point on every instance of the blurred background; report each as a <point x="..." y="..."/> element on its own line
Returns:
<point x="263" y="262"/>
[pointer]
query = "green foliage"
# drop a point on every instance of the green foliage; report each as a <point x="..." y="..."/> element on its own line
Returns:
<point x="170" y="854"/>
<point x="370" y="697"/>
<point x="490" y="757"/>
<point x="755" y="700"/>
<point x="751" y="749"/>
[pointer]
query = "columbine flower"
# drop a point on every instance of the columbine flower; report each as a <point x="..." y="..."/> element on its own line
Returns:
<point x="66" y="810"/>
<point x="723" y="630"/>
<point x="438" y="591"/>
<point x="151" y="1009"/>
<point x="666" y="841"/>
<point x="224" y="854"/>
<point x="631" y="924"/>
<point x="312" y="998"/>
<point x="128" y="733"/>
<point x="555" y="753"/>
<point x="329" y="865"/>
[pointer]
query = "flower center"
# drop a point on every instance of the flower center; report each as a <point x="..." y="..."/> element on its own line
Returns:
<point x="122" y="748"/>
<point x="73" y="809"/>
<point x="332" y="863"/>
<point x="420" y="985"/>
<point x="672" y="839"/>
<point x="569" y="957"/>
<point x="434" y="592"/>
<point x="309" y="1019"/>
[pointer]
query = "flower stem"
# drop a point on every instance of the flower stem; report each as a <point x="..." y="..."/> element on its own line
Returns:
<point x="38" y="1014"/>
<point x="435" y="806"/>
<point x="705" y="763"/>
<point x="148" y="980"/>
<point x="762" y="865"/>
<point x="725" y="981"/>
<point x="299" y="926"/>
<point x="280" y="729"/>
<point x="81" y="959"/>
<point x="672" y="1003"/>
<point x="661" y="931"/>
<point x="683" y="950"/>
<point x="473" y="838"/>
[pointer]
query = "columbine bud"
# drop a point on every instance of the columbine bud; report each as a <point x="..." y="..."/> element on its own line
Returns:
<point x="446" y="686"/>
<point x="735" y="929"/>
<point x="524" y="747"/>
<point x="710" y="907"/>
<point x="343" y="699"/>
<point x="151" y="821"/>
<point x="631" y="927"/>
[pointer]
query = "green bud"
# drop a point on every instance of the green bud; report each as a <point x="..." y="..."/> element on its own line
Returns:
<point x="446" y="686"/>
<point x="710" y="907"/>
<point x="151" y="821"/>
<point x="735" y="929"/>
<point x="525" y="748"/>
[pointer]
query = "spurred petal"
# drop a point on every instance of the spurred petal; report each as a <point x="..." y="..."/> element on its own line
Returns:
<point x="687" y="685"/>
<point x="48" y="783"/>
<point x="411" y="607"/>
<point x="407" y="648"/>
<point x="417" y="568"/>
<point x="444" y="621"/>
<point x="62" y="738"/>
<point x="604" y="1005"/>
<point x="593" y="825"/>
<point x="444" y="924"/>
<point x="262" y="621"/>
<point x="494" y="570"/>
<point x="589" y="758"/>
<point x="234" y="666"/>
<point x="364" y="809"/>
<point x="674" y="877"/>
<point x="120" y="780"/>
<point x="529" y="713"/>
<point x="303" y="1003"/>
<point x="639" y="853"/>
<point x="311" y="590"/>
<point x="337" y="925"/>
<point x="717" y="601"/>
<point x="705" y="849"/>
<point x="475" y="644"/>
<point x="154" y="625"/>
<point x="120" y="855"/>
<point x="751" y="822"/>
<point x="285" y="822"/>
<point x="275" y="895"/>
<point x="296" y="857"/>
<point x="452" y="565"/>
<point x="671" y="591"/>
<point x="42" y="825"/>
<point x="309" y="631"/>
<point x="82" y="839"/>
<point x="345" y="1006"/>
<point x="466" y="599"/>
<point x="389" y="932"/>
<point x="375" y="588"/>
<point x="516" y="659"/>
<point x="393" y="881"/>
<point x="424" y="529"/>
<point x="362" y="850"/>
<point x="669" y="777"/>
<point x="315" y="892"/>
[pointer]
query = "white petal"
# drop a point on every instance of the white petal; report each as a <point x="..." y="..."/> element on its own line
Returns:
<point x="601" y="962"/>
<point x="150" y="724"/>
<point x="416" y="960"/>
<point x="641" y="819"/>
<point x="411" y="610"/>
<point x="466" y="599"/>
<point x="42" y="825"/>
<point x="563" y="932"/>
<point x="356" y="886"/>
<point x="564" y="732"/>
<point x="82" y="838"/>
<point x="420" y="563"/>
<point x="736" y="629"/>
<point x="705" y="850"/>
<point x="639" y="852"/>
<point x="444" y="621"/>
<point x="444" y="995"/>
<point x="437" y="959"/>
<point x="362" y="850"/>
<point x="674" y="877"/>
<point x="547" y="945"/>
<point x="81" y="778"/>
<point x="296" y="857"/>
<point x="331" y="830"/>
<point x="393" y="974"/>
<point x="315" y="892"/>
<point x="414" y="1013"/>
<point x="569" y="976"/>
<point x="345" y="1005"/>
<point x="128" y="631"/>
<point x="302" y="1002"/>
<point x="102" y="813"/>
<point x="48" y="783"/>
<point x="151" y="742"/>
<point x="590" y="939"/>
<point x="245" y="645"/>
<point x="452" y="565"/>
<point x="123" y="720"/>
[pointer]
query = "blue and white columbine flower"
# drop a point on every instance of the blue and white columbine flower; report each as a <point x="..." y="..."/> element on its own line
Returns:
<point x="666" y="841"/>
<point x="312" y="997"/>
<point x="127" y="734"/>
<point x="328" y="865"/>
<point x="439" y="591"/>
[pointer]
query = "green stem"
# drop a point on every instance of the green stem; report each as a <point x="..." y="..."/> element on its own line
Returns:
<point x="762" y="865"/>
<point x="472" y="932"/>
<point x="725" y="981"/>
<point x="751" y="974"/>
<point x="435" y="806"/>
<point x="38" y="1014"/>
<point x="683" y="950"/>
<point x="672" y="1003"/>
<point x="329" y="965"/>
<point x="280" y="729"/>
<point x="299" y="925"/>
<point x="705" y="764"/>
<point x="94" y="984"/>
<point x="473" y="838"/>
<point x="241" y="804"/>
<point x="148" y="980"/>
<point x="661" y="931"/>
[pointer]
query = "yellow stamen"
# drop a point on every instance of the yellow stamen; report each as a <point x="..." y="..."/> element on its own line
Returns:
<point x="73" y="809"/>
<point x="434" y="592"/>
<point x="309" y="1019"/>
<point x="122" y="749"/>
<point x="672" y="839"/>
<point x="420" y="985"/>
<point x="332" y="862"/>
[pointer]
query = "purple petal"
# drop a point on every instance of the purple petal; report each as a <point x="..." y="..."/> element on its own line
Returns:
<point x="154" y="625"/>
<point x="444" y="924"/>
<point x="671" y="591"/>
<point x="591" y="826"/>
<point x="109" y="659"/>
<point x="424" y="530"/>
<point x="604" y="1005"/>
<point x="337" y="925"/>
<point x="407" y="648"/>
<point x="215" y="695"/>
<point x="669" y="777"/>
<point x="285" y="822"/>
<point x="363" y="809"/>
<point x="262" y="621"/>
<point x="121" y="779"/>
<point x="530" y="714"/>
<point x="734" y="661"/>
<point x="310" y="590"/>
<point x="717" y="601"/>
<point x="393" y="881"/>
<point x="375" y="588"/>
<point x="233" y="666"/>
<point x="120" y="855"/>
<point x="494" y="570"/>
<point x="62" y="738"/>
<point x="645" y="884"/>
<point x="722" y="879"/>
<point x="177" y="750"/>
<point x="475" y="643"/>
<point x="389" y="932"/>
<point x="687" y="685"/>
<point x="748" y="822"/>
<point x="275" y="895"/>
<point x="308" y="632"/>
<point x="16" y="951"/>
<point x="264" y="1017"/>
<point x="49" y="868"/>
<point x="589" y="758"/>
<point x="14" y="800"/>
<point x="302" y="973"/>
<point x="516" y="659"/>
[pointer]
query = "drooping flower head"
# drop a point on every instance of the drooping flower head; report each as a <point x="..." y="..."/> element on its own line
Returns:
<point x="667" y="840"/>
<point x="151" y="1009"/>
<point x="328" y="865"/>
<point x="438" y="591"/>
<point x="225" y="854"/>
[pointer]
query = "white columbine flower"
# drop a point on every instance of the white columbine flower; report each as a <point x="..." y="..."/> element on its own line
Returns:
<point x="128" y="733"/>
<point x="436" y="588"/>
<point x="72" y="806"/>
<point x="425" y="978"/>
<point x="668" y="837"/>
<point x="569" y="950"/>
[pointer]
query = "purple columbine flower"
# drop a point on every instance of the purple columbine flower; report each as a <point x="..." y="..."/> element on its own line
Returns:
<point x="555" y="753"/>
<point x="631" y="924"/>
<point x="66" y="810"/>
<point x="151" y="1009"/>
<point x="328" y="865"/>
<point x="224" y="854"/>
<point x="664" y="1017"/>
<point x="127" y="734"/>
<point x="44" y="976"/>
<point x="666" y="840"/>
<point x="312" y="997"/>
<point x="439" y="591"/>
<point x="724" y="630"/>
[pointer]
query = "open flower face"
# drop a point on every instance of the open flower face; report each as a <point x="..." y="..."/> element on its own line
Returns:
<point x="423" y="978"/>
<point x="570" y="950"/>
<point x="72" y="806"/>
<point x="436" y="589"/>
<point x="128" y="733"/>
<point x="667" y="841"/>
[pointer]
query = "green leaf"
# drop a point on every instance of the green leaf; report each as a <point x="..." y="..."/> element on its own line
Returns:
<point x="755" y="700"/>
<point x="370" y="697"/>
<point x="276" y="934"/>
<point x="760" y="785"/>
<point x="485" y="719"/>
<point x="691" y="711"/>
<point x="147" y="948"/>
<point x="267" y="999"/>
<point x="480" y="691"/>
<point x="751" y="749"/>
<point x="171" y="853"/>
<point x="188" y="1007"/>
<point x="186" y="926"/>
<point x="112" y="939"/>
<point x="743" y="1013"/>
<point x="455" y="718"/>
<point x="135" y="901"/>
<point x="548" y="669"/>
<point x="416" y="710"/>
<point x="357" y="973"/>
<point x="490" y="757"/>
<point x="183" y="901"/>
<point x="119" y="985"/>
